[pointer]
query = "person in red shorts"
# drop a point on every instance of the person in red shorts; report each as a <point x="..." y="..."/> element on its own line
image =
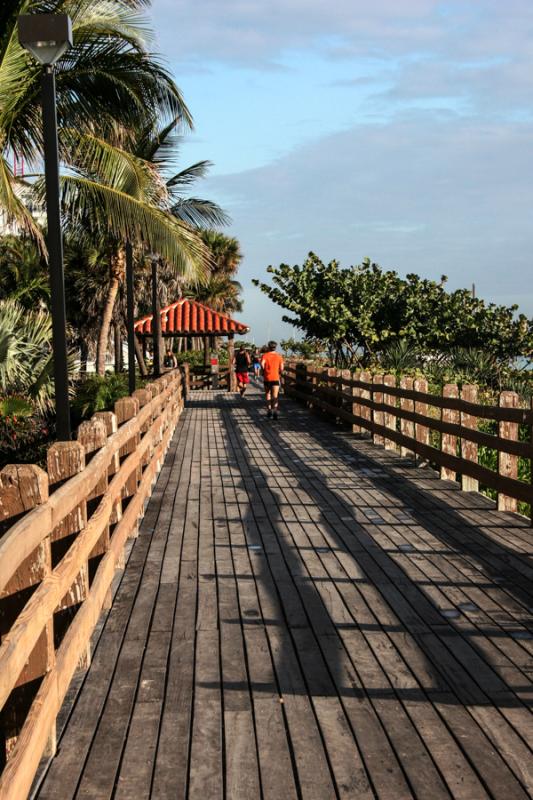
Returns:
<point x="242" y="365"/>
<point x="272" y="366"/>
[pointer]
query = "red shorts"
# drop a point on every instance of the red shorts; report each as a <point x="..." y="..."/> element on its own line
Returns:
<point x="242" y="377"/>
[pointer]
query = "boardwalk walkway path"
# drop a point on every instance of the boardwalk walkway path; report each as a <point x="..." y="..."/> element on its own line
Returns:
<point x="305" y="615"/>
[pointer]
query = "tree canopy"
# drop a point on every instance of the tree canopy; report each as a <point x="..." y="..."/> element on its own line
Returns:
<point x="360" y="310"/>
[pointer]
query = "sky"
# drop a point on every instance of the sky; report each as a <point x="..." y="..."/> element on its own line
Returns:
<point x="401" y="130"/>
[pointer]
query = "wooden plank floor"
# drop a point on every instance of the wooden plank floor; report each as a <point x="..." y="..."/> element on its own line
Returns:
<point x="307" y="616"/>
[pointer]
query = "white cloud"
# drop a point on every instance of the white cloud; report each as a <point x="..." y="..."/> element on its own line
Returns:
<point x="444" y="184"/>
<point x="419" y="194"/>
<point x="258" y="31"/>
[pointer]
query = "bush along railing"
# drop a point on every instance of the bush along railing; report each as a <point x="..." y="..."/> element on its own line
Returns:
<point x="487" y="448"/>
<point x="64" y="533"/>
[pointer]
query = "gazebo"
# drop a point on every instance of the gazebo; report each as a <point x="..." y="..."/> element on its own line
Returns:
<point x="187" y="319"/>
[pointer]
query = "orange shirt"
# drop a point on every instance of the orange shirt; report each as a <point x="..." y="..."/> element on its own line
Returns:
<point x="272" y="365"/>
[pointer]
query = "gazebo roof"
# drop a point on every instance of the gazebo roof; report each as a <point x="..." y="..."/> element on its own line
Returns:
<point x="191" y="318"/>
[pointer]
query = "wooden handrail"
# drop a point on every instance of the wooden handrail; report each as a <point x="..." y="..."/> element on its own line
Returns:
<point x="522" y="416"/>
<point x="369" y="407"/>
<point x="150" y="430"/>
<point x="24" y="536"/>
<point x="492" y="440"/>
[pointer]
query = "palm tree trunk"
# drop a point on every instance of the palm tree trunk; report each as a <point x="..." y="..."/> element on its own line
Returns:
<point x="118" y="346"/>
<point x="84" y="355"/>
<point x="117" y="267"/>
<point x="140" y="358"/>
<point x="103" y="335"/>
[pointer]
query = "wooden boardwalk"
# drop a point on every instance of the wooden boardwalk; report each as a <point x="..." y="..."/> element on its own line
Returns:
<point x="305" y="615"/>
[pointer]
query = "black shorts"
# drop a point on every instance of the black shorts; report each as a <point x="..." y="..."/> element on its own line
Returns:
<point x="270" y="384"/>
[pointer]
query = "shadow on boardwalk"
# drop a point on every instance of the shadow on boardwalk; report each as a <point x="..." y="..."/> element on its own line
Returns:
<point x="426" y="603"/>
<point x="307" y="616"/>
<point x="342" y="531"/>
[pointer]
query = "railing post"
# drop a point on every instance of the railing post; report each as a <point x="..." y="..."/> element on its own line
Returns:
<point x="312" y="377"/>
<point x="389" y="417"/>
<point x="449" y="440"/>
<point x="469" y="450"/>
<point x="143" y="397"/>
<point x="125" y="409"/>
<point x="65" y="459"/>
<point x="180" y="382"/>
<point x="366" y="411"/>
<point x="407" y="427"/>
<point x="362" y="411"/>
<point x="232" y="379"/>
<point x="110" y="421"/>
<point x="345" y="389"/>
<point x="378" y="416"/>
<point x="330" y="398"/>
<point x="92" y="435"/>
<point x="22" y="487"/>
<point x="421" y="407"/>
<point x="186" y="372"/>
<point x="154" y="389"/>
<point x="111" y="425"/>
<point x="507" y="463"/>
<point x="356" y="406"/>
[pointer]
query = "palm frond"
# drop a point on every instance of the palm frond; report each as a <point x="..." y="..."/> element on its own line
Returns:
<point x="189" y="175"/>
<point x="93" y="156"/>
<point x="14" y="208"/>
<point x="107" y="75"/>
<point x="200" y="213"/>
<point x="106" y="209"/>
<point x="96" y="18"/>
<point x="159" y="145"/>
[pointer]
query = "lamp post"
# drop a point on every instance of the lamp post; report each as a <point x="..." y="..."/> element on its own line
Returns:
<point x="156" y="319"/>
<point x="130" y="317"/>
<point x="47" y="37"/>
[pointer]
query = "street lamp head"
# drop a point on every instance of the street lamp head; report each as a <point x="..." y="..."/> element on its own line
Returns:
<point x="45" y="36"/>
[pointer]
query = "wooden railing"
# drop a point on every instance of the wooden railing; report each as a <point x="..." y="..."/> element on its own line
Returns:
<point x="67" y="531"/>
<point x="203" y="378"/>
<point x="439" y="429"/>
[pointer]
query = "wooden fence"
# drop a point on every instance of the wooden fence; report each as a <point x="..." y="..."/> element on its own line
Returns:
<point x="442" y="430"/>
<point x="203" y="378"/>
<point x="64" y="535"/>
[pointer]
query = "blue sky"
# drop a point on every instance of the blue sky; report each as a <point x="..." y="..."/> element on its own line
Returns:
<point x="401" y="130"/>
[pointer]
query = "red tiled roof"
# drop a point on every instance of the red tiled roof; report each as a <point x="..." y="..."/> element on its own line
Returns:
<point x="191" y="317"/>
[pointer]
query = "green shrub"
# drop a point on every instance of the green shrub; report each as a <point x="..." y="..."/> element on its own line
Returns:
<point x="24" y="439"/>
<point x="196" y="357"/>
<point x="193" y="357"/>
<point x="98" y="393"/>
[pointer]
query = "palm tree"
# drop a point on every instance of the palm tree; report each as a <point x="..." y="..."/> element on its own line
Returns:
<point x="108" y="90"/>
<point x="225" y="251"/>
<point x="108" y="85"/>
<point x="159" y="146"/>
<point x="24" y="273"/>
<point x="26" y="354"/>
<point x="169" y="218"/>
<point x="221" y="291"/>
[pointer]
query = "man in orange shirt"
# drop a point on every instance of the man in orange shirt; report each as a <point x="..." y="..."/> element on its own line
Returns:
<point x="272" y="366"/>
